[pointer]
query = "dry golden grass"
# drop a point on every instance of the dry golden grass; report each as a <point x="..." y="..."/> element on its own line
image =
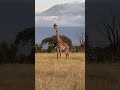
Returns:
<point x="103" y="76"/>
<point x="61" y="74"/>
<point x="17" y="77"/>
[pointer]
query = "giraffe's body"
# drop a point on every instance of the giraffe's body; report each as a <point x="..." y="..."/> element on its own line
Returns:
<point x="61" y="45"/>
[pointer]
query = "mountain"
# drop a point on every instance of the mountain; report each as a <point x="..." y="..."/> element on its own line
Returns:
<point x="75" y="8"/>
<point x="69" y="14"/>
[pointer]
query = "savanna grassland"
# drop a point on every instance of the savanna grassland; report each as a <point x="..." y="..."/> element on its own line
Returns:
<point x="102" y="76"/>
<point x="61" y="74"/>
<point x="17" y="77"/>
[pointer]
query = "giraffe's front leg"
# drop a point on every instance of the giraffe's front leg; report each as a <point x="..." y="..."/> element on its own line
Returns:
<point x="60" y="52"/>
<point x="57" y="53"/>
<point x="67" y="54"/>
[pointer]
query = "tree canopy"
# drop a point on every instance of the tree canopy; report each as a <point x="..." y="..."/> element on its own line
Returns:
<point x="53" y="39"/>
<point x="25" y="36"/>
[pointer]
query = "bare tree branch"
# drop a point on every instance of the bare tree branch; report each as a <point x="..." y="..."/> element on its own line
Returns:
<point x="111" y="32"/>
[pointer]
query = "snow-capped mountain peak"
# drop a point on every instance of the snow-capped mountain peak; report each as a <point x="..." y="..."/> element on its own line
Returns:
<point x="68" y="14"/>
<point x="75" y="8"/>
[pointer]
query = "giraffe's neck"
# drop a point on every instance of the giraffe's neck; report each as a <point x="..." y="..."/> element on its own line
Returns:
<point x="61" y="44"/>
<point x="58" y="36"/>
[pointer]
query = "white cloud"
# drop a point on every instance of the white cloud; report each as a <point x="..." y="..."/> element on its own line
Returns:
<point x="61" y="20"/>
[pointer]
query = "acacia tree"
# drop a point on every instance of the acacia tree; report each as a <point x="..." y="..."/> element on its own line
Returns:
<point x="80" y="37"/>
<point x="52" y="40"/>
<point x="26" y="37"/>
<point x="112" y="34"/>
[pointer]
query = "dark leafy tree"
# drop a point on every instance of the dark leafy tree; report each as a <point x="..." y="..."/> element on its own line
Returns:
<point x="27" y="36"/>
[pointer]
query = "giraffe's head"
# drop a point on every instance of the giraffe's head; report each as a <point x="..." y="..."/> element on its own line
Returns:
<point x="55" y="25"/>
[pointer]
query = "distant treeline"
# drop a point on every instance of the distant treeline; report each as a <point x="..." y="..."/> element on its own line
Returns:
<point x="49" y="41"/>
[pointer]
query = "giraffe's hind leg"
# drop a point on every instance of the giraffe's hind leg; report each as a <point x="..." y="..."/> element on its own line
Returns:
<point x="60" y="52"/>
<point x="67" y="54"/>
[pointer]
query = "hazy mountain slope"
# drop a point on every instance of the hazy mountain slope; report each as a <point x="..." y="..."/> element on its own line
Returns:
<point x="65" y="9"/>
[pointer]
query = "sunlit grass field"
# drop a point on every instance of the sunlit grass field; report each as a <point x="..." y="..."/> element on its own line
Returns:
<point x="61" y="74"/>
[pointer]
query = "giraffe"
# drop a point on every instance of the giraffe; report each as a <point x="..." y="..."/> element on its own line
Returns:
<point x="61" y="45"/>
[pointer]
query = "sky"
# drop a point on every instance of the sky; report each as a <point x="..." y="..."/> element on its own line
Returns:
<point x="15" y="17"/>
<point x="16" y="1"/>
<point x="42" y="5"/>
